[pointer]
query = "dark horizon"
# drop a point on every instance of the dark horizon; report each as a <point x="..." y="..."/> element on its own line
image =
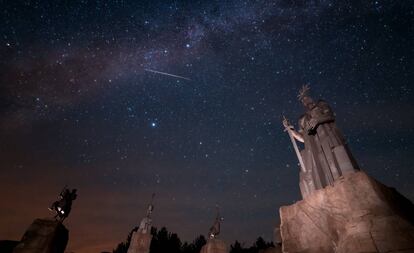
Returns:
<point x="78" y="108"/>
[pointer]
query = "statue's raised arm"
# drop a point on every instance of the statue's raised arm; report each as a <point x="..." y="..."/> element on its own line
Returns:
<point x="288" y="127"/>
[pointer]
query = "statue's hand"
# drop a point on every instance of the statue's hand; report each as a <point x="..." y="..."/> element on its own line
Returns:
<point x="286" y="123"/>
<point x="312" y="124"/>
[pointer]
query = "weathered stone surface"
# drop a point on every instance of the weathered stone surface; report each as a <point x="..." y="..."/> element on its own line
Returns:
<point x="214" y="246"/>
<point x="44" y="236"/>
<point x="277" y="238"/>
<point x="140" y="242"/>
<point x="357" y="214"/>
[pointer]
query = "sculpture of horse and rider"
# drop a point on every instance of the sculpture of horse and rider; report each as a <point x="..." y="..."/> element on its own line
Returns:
<point x="63" y="205"/>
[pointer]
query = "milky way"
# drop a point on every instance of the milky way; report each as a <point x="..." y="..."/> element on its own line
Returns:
<point x="78" y="108"/>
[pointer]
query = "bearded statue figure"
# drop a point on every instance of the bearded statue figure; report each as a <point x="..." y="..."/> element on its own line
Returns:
<point x="146" y="222"/>
<point x="325" y="156"/>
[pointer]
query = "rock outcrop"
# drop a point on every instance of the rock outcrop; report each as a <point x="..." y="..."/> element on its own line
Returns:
<point x="140" y="242"/>
<point x="44" y="236"/>
<point x="357" y="214"/>
<point x="214" y="246"/>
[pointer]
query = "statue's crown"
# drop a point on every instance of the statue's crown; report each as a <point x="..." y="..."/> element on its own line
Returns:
<point x="303" y="92"/>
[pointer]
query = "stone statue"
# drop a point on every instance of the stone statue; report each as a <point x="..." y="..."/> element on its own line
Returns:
<point x="215" y="229"/>
<point x="325" y="156"/>
<point x="63" y="206"/>
<point x="141" y="239"/>
<point x="146" y="222"/>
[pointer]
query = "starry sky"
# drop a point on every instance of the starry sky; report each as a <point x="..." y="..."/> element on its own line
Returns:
<point x="78" y="107"/>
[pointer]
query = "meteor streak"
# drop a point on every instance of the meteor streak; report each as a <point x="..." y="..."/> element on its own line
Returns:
<point x="167" y="74"/>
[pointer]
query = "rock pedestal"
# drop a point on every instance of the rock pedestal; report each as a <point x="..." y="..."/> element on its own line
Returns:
<point x="43" y="236"/>
<point x="214" y="246"/>
<point x="140" y="243"/>
<point x="357" y="214"/>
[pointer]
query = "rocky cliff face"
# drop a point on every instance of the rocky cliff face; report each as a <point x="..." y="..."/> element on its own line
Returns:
<point x="357" y="214"/>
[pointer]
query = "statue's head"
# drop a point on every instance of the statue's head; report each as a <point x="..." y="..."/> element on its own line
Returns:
<point x="305" y="98"/>
<point x="150" y="209"/>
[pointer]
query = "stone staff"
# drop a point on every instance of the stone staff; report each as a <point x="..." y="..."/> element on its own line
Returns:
<point x="295" y="145"/>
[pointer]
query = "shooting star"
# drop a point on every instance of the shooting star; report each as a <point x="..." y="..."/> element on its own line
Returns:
<point x="167" y="74"/>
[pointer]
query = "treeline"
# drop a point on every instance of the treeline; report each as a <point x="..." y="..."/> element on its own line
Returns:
<point x="259" y="245"/>
<point x="165" y="241"/>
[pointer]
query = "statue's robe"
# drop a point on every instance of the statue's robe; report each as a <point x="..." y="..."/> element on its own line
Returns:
<point x="326" y="155"/>
<point x="145" y="225"/>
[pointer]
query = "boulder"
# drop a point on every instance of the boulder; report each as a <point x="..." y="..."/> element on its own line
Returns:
<point x="357" y="214"/>
<point x="44" y="236"/>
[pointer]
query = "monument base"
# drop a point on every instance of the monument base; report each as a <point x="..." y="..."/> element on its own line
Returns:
<point x="357" y="214"/>
<point x="140" y="243"/>
<point x="214" y="246"/>
<point x="44" y="236"/>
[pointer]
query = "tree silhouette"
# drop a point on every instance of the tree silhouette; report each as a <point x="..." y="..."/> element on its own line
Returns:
<point x="195" y="246"/>
<point x="123" y="246"/>
<point x="165" y="241"/>
<point x="259" y="245"/>
<point x="236" y="247"/>
<point x="262" y="244"/>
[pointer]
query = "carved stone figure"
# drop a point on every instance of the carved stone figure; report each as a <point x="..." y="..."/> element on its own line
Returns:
<point x="325" y="156"/>
<point x="63" y="206"/>
<point x="141" y="239"/>
<point x="146" y="222"/>
<point x="215" y="229"/>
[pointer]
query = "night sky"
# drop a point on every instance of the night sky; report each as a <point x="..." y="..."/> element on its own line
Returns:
<point x="78" y="108"/>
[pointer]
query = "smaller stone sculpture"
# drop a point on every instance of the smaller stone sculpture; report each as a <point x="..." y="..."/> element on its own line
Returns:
<point x="63" y="206"/>
<point x="146" y="222"/>
<point x="215" y="229"/>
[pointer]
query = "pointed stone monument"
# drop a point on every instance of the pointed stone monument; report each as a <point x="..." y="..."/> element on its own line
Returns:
<point x="343" y="209"/>
<point x="141" y="239"/>
<point x="215" y="245"/>
<point x="49" y="235"/>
